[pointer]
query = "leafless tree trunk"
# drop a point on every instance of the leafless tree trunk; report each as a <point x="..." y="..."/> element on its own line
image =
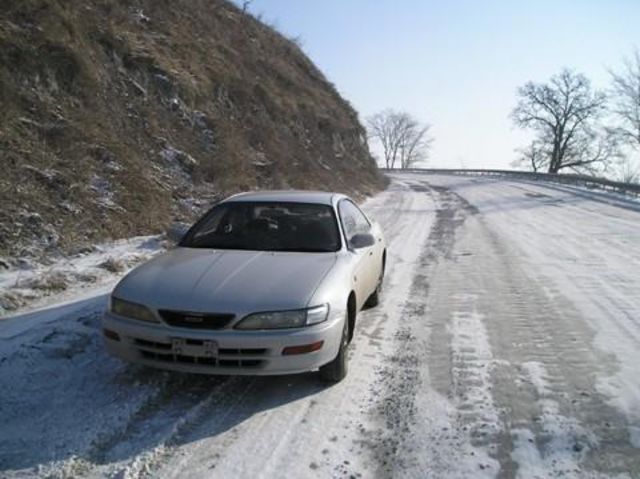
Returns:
<point x="415" y="146"/>
<point x="404" y="140"/>
<point x="533" y="157"/>
<point x="626" y="95"/>
<point x="593" y="152"/>
<point x="628" y="171"/>
<point x="563" y="113"/>
<point x="379" y="127"/>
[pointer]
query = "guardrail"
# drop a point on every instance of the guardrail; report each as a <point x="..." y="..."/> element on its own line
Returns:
<point x="629" y="189"/>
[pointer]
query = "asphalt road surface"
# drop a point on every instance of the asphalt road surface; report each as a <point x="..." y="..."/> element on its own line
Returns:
<point x="507" y="345"/>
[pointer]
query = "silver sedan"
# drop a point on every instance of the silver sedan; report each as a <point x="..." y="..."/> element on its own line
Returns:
<point x="265" y="283"/>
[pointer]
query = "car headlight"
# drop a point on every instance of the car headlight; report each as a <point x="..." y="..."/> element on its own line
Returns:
<point x="285" y="319"/>
<point x="131" y="310"/>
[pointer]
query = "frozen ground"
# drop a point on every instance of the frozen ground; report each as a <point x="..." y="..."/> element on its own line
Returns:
<point x="28" y="285"/>
<point x="507" y="345"/>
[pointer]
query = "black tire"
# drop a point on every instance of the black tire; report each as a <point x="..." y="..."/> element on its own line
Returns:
<point x="336" y="370"/>
<point x="374" y="299"/>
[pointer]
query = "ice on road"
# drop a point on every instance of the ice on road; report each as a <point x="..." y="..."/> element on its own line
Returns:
<point x="507" y="345"/>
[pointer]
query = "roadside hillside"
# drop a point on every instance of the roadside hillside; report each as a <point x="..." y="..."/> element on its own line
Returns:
<point x="120" y="117"/>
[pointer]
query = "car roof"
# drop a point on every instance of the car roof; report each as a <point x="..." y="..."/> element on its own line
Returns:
<point x="293" y="196"/>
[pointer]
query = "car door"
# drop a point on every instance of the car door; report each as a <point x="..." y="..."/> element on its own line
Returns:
<point x="354" y="222"/>
<point x="374" y="257"/>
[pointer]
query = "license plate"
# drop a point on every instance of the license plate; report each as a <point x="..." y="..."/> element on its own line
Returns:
<point x="186" y="347"/>
<point x="210" y="348"/>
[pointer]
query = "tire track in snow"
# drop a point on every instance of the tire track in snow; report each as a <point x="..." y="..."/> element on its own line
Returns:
<point x="422" y="434"/>
<point x="179" y="408"/>
<point x="529" y="321"/>
<point x="168" y="412"/>
<point x="472" y="364"/>
<point x="555" y="430"/>
<point x="396" y="383"/>
<point x="218" y="403"/>
<point x="574" y="421"/>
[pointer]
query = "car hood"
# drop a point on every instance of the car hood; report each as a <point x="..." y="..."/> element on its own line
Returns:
<point x="204" y="280"/>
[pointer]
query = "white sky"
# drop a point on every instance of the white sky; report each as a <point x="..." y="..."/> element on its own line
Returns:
<point x="456" y="64"/>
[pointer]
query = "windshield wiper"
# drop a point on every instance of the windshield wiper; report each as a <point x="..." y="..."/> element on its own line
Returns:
<point x="256" y="248"/>
<point x="208" y="246"/>
<point x="302" y="250"/>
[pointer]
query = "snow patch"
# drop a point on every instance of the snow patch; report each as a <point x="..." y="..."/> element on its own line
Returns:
<point x="28" y="284"/>
<point x="562" y="443"/>
<point x="538" y="376"/>
<point x="104" y="192"/>
<point x="565" y="443"/>
<point x="174" y="156"/>
<point x="585" y="245"/>
<point x="472" y="357"/>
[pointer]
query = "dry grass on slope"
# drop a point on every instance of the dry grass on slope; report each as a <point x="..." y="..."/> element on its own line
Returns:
<point x="121" y="116"/>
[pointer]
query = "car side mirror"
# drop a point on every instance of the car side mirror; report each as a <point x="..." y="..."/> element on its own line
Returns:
<point x="362" y="240"/>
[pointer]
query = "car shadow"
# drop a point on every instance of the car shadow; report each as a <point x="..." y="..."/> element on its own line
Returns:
<point x="62" y="398"/>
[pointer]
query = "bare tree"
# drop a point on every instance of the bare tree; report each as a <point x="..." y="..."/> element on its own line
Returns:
<point x="534" y="157"/>
<point x="626" y="95"/>
<point x="379" y="127"/>
<point x="245" y="5"/>
<point x="627" y="171"/>
<point x="594" y="151"/>
<point x="404" y="140"/>
<point x="564" y="113"/>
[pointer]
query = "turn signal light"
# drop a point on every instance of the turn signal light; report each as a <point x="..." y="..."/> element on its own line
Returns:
<point x="305" y="348"/>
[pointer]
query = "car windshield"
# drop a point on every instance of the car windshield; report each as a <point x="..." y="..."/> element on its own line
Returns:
<point x="266" y="226"/>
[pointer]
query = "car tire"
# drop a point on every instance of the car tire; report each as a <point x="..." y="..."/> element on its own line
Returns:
<point x="374" y="299"/>
<point x="336" y="370"/>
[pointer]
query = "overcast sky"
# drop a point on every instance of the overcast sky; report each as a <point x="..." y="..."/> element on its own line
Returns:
<point x="456" y="64"/>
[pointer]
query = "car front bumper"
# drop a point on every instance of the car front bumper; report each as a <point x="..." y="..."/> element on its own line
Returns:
<point x="225" y="351"/>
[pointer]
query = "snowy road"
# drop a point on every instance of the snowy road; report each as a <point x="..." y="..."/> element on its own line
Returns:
<point x="507" y="345"/>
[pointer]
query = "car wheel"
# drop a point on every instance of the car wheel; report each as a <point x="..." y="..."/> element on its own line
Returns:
<point x="374" y="299"/>
<point x="336" y="370"/>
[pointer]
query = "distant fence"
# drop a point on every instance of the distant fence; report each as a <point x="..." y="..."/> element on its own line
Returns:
<point x="590" y="182"/>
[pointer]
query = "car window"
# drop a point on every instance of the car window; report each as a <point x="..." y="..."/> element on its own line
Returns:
<point x="266" y="226"/>
<point x="353" y="220"/>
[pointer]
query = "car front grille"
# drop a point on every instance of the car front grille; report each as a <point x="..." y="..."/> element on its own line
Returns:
<point x="152" y="344"/>
<point x="226" y="357"/>
<point x="204" y="361"/>
<point x="184" y="319"/>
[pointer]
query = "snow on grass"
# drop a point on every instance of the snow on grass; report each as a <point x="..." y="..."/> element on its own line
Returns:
<point x="52" y="363"/>
<point x="29" y="285"/>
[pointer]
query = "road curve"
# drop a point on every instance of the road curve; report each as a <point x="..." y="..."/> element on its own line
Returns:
<point x="506" y="346"/>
